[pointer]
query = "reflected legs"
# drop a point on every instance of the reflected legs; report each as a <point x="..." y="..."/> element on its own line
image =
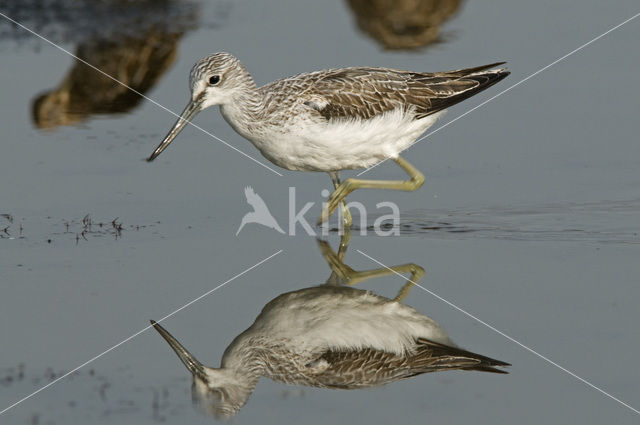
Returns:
<point x="341" y="273"/>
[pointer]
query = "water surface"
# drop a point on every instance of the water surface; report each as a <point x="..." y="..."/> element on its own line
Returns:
<point x="528" y="219"/>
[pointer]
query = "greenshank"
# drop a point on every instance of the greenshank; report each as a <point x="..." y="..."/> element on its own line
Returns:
<point x="332" y="120"/>
<point x="335" y="337"/>
<point x="330" y="336"/>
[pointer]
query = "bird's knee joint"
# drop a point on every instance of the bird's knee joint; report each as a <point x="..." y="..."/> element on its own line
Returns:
<point x="417" y="181"/>
<point x="348" y="183"/>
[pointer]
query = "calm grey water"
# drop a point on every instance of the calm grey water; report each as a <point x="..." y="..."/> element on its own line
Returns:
<point x="529" y="219"/>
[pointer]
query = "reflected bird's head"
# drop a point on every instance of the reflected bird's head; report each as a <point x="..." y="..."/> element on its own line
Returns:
<point x="214" y="80"/>
<point x="217" y="392"/>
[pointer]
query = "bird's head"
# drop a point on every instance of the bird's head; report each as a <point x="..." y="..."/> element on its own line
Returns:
<point x="214" y="80"/>
<point x="219" y="392"/>
<point x="221" y="395"/>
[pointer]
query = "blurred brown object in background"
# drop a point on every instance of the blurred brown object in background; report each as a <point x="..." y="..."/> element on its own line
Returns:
<point x="403" y="24"/>
<point x="138" y="62"/>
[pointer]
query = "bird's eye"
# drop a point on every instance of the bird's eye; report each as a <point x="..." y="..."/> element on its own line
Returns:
<point x="214" y="79"/>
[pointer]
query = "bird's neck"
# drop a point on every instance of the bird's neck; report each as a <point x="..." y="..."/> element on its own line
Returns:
<point x="245" y="107"/>
<point x="249" y="355"/>
<point x="243" y="358"/>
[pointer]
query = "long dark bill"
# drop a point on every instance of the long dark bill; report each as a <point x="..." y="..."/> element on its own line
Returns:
<point x="186" y="357"/>
<point x="189" y="112"/>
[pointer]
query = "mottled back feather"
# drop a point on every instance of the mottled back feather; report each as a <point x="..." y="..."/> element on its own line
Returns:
<point x="349" y="369"/>
<point x="364" y="92"/>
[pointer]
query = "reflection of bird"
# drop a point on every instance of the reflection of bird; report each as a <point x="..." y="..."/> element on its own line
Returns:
<point x="260" y="213"/>
<point x="327" y="336"/>
<point x="137" y="62"/>
<point x="403" y="24"/>
<point x="134" y="42"/>
<point x="331" y="120"/>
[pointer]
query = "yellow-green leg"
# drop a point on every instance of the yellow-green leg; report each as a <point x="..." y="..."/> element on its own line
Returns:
<point x="349" y="185"/>
<point x="334" y="259"/>
<point x="346" y="214"/>
<point x="346" y="275"/>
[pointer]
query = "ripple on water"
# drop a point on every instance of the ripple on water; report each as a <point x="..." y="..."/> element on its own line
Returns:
<point x="604" y="222"/>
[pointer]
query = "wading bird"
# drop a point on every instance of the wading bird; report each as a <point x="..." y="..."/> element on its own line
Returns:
<point x="331" y="336"/>
<point x="332" y="120"/>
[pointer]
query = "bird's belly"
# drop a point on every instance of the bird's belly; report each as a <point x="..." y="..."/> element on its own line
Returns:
<point x="342" y="145"/>
<point x="312" y="318"/>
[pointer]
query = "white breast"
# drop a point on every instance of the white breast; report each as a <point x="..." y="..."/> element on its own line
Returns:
<point x="317" y="318"/>
<point x="304" y="144"/>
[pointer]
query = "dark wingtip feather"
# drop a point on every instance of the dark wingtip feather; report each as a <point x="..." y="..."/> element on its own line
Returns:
<point x="474" y="70"/>
<point x="484" y="79"/>
<point x="481" y="368"/>
<point x="501" y="75"/>
<point x="485" y="364"/>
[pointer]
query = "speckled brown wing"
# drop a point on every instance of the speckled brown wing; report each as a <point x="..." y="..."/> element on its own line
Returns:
<point x="366" y="92"/>
<point x="351" y="369"/>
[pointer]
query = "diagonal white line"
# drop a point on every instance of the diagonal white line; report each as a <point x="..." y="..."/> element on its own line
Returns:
<point x="577" y="49"/>
<point x="531" y="350"/>
<point x="137" y="92"/>
<point x="139" y="332"/>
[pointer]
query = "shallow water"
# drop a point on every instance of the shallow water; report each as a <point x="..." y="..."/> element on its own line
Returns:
<point x="528" y="220"/>
<point x="613" y="222"/>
